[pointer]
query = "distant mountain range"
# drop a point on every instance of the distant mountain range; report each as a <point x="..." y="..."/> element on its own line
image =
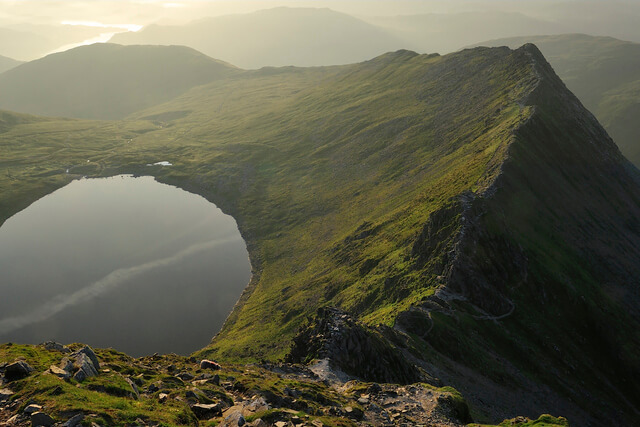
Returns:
<point x="604" y="73"/>
<point x="275" y="37"/>
<point x="106" y="81"/>
<point x="444" y="33"/>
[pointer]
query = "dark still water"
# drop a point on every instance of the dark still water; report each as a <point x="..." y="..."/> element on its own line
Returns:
<point x="120" y="262"/>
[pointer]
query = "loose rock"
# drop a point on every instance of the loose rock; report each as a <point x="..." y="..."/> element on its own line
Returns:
<point x="17" y="370"/>
<point x="5" y="393"/>
<point x="209" y="364"/>
<point x="59" y="372"/>
<point x="30" y="409"/>
<point x="206" y="411"/>
<point x="41" y="419"/>
<point x="74" y="421"/>
<point x="52" y="345"/>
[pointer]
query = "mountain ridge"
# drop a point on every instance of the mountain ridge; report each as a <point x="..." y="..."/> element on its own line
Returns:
<point x="603" y="72"/>
<point x="477" y="170"/>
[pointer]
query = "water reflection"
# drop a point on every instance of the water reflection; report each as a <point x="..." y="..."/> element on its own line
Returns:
<point x="122" y="262"/>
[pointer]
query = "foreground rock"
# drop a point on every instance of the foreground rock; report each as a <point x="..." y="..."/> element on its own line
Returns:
<point x="353" y="348"/>
<point x="79" y="365"/>
<point x="279" y="394"/>
<point x="41" y="419"/>
<point x="17" y="370"/>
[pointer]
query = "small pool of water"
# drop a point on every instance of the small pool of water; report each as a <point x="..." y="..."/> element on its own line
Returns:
<point x="120" y="262"/>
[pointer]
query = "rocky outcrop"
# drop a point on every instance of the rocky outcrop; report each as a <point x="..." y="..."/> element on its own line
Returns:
<point x="79" y="365"/>
<point x="352" y="348"/>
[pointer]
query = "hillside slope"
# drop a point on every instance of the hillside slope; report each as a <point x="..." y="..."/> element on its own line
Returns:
<point x="467" y="208"/>
<point x="263" y="38"/>
<point x="106" y="81"/>
<point x="604" y="73"/>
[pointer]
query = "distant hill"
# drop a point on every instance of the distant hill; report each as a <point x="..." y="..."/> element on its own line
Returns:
<point x="254" y="40"/>
<point x="604" y="73"/>
<point x="106" y="81"/>
<point x="8" y="63"/>
<point x="444" y="33"/>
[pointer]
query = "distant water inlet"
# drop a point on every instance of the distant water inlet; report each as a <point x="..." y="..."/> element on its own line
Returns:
<point x="120" y="262"/>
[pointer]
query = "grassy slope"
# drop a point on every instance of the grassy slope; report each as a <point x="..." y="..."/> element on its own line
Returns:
<point x="332" y="174"/>
<point x="106" y="81"/>
<point x="604" y="73"/>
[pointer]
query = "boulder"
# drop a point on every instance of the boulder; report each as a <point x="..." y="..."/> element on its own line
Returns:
<point x="209" y="364"/>
<point x="257" y="423"/>
<point x="59" y="372"/>
<point x="55" y="346"/>
<point x="185" y="376"/>
<point x="41" y="419"/>
<point x="5" y="394"/>
<point x="74" y="421"/>
<point x="206" y="411"/>
<point x="30" y="409"/>
<point x="87" y="351"/>
<point x="83" y="367"/>
<point x="234" y="419"/>
<point x="17" y="370"/>
<point x="79" y="365"/>
<point x="134" y="388"/>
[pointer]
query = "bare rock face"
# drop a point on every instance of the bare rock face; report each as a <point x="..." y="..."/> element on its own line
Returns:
<point x="352" y="348"/>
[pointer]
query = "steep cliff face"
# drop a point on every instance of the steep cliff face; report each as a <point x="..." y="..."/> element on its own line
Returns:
<point x="540" y="301"/>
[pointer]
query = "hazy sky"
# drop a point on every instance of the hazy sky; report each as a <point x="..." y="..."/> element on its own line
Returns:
<point x="142" y="12"/>
<point x="40" y="20"/>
